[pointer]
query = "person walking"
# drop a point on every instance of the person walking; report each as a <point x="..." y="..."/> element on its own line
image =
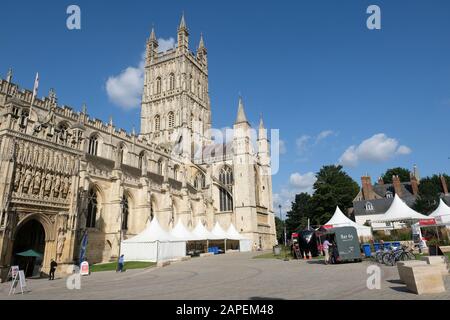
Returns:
<point x="121" y="262"/>
<point x="53" y="266"/>
<point x="326" y="247"/>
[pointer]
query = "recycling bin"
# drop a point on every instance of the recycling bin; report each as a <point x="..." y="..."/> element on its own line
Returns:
<point x="367" y="250"/>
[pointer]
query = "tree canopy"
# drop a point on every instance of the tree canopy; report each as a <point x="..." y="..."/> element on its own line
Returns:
<point x="430" y="188"/>
<point x="334" y="187"/>
<point x="403" y="173"/>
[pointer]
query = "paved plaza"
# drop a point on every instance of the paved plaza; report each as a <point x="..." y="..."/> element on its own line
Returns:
<point x="230" y="276"/>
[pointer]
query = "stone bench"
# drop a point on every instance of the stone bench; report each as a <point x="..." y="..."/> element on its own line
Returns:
<point x="402" y="264"/>
<point x="423" y="279"/>
<point x="440" y="262"/>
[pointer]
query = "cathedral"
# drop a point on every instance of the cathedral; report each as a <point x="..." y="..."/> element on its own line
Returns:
<point x="65" y="174"/>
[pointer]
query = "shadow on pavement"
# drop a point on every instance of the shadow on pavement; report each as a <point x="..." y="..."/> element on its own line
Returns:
<point x="265" y="298"/>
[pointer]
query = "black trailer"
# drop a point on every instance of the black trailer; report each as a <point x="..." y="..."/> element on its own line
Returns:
<point x="346" y="247"/>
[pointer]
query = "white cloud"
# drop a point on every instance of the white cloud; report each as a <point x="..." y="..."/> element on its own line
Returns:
<point x="324" y="134"/>
<point x="303" y="183"/>
<point x="302" y="143"/>
<point x="403" y="150"/>
<point x="298" y="183"/>
<point x="125" y="89"/>
<point x="282" y="147"/>
<point x="378" y="148"/>
<point x="165" y="44"/>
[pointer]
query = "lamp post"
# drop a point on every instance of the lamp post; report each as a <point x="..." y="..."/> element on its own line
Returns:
<point x="120" y="231"/>
<point x="285" y="240"/>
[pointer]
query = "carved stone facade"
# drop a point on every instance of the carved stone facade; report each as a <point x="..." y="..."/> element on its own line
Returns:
<point x="73" y="174"/>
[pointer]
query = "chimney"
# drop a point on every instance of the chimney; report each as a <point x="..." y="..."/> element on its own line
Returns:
<point x="367" y="189"/>
<point x="380" y="181"/>
<point x="397" y="185"/>
<point x="444" y="185"/>
<point x="414" y="185"/>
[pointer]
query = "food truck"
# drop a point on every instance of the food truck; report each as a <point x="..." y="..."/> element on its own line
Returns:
<point x="346" y="247"/>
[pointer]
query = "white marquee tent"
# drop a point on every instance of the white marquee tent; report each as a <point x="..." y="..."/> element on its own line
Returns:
<point x="245" y="245"/>
<point x="339" y="219"/>
<point x="182" y="233"/>
<point x="153" y="244"/>
<point x="203" y="234"/>
<point x="219" y="232"/>
<point x="399" y="211"/>
<point x="441" y="213"/>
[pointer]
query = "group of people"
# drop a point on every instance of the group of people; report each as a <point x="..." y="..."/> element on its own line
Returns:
<point x="330" y="251"/>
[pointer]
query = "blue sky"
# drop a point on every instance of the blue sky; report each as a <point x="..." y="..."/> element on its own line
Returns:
<point x="338" y="92"/>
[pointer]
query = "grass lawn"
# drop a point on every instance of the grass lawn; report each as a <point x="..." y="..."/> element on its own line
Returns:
<point x="281" y="256"/>
<point x="112" y="266"/>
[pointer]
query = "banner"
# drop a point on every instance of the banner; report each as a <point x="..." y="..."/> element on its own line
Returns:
<point x="84" y="242"/>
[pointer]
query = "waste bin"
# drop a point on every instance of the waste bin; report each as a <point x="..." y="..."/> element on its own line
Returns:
<point x="376" y="246"/>
<point x="367" y="250"/>
<point x="396" y="244"/>
<point x="277" y="250"/>
<point x="387" y="245"/>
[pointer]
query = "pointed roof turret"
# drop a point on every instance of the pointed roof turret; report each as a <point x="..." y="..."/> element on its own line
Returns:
<point x="152" y="35"/>
<point x="241" y="112"/>
<point x="201" y="44"/>
<point x="9" y="75"/>
<point x="182" y="23"/>
<point x="261" y="122"/>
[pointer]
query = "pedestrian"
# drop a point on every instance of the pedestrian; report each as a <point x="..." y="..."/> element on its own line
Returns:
<point x="121" y="262"/>
<point x="53" y="266"/>
<point x="326" y="247"/>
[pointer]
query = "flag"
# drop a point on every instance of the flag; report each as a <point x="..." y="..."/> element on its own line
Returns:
<point x="84" y="242"/>
<point x="35" y="91"/>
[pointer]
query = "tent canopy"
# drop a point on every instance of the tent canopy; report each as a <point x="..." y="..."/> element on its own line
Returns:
<point x="153" y="232"/>
<point x="30" y="253"/>
<point x="181" y="232"/>
<point x="202" y="233"/>
<point x="233" y="234"/>
<point x="219" y="232"/>
<point x="442" y="210"/>
<point x="399" y="211"/>
<point x="339" y="219"/>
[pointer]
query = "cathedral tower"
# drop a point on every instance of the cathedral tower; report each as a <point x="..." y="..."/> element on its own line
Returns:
<point x="175" y="102"/>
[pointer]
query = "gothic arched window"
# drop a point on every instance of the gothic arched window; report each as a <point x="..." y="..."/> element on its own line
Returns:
<point x="160" y="167"/>
<point x="93" y="145"/>
<point x="176" y="170"/>
<point x="226" y="176"/>
<point x="157" y="123"/>
<point x="158" y="85"/>
<point x="125" y="212"/>
<point x="141" y="160"/>
<point x="121" y="155"/>
<point x="172" y="81"/>
<point x="199" y="181"/>
<point x="92" y="208"/>
<point x="171" y="119"/>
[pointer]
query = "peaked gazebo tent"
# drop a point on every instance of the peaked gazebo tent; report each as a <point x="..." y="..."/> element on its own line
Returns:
<point x="442" y="213"/>
<point x="245" y="245"/>
<point x="399" y="211"/>
<point x="203" y="234"/>
<point x="153" y="244"/>
<point x="182" y="233"/>
<point x="339" y="219"/>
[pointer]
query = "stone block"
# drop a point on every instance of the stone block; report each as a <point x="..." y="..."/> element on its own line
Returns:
<point x="186" y="258"/>
<point x="209" y="254"/>
<point x="423" y="279"/>
<point x="161" y="264"/>
<point x="439" y="261"/>
<point x="402" y="264"/>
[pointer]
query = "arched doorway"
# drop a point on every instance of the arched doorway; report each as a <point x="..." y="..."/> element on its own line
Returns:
<point x="29" y="236"/>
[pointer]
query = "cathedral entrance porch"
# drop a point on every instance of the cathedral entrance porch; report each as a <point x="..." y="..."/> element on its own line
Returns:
<point x="30" y="236"/>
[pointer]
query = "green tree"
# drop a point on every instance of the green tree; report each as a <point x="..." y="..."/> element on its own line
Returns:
<point x="430" y="188"/>
<point x="299" y="213"/>
<point x="402" y="173"/>
<point x="334" y="187"/>
<point x="279" y="227"/>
